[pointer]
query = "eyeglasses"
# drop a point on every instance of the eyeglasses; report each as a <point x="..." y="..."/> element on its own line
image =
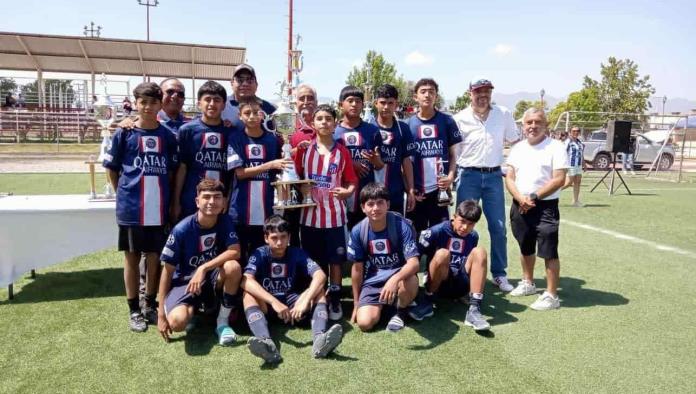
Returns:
<point x="243" y="80"/>
<point x="175" y="92"/>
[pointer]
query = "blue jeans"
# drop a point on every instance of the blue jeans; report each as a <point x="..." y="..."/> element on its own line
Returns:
<point x="488" y="186"/>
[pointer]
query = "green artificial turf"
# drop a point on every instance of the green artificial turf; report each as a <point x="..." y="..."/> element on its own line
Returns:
<point x="625" y="325"/>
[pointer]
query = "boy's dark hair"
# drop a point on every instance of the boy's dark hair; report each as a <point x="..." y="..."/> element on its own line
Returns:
<point x="387" y="91"/>
<point x="248" y="101"/>
<point x="212" y="88"/>
<point x="275" y="224"/>
<point x="424" y="82"/>
<point x="325" y="108"/>
<point x="373" y="191"/>
<point x="351" y="91"/>
<point x="209" y="185"/>
<point x="148" y="89"/>
<point x="469" y="210"/>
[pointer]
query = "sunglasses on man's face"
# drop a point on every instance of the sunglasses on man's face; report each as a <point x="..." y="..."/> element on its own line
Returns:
<point x="243" y="80"/>
<point x="175" y="92"/>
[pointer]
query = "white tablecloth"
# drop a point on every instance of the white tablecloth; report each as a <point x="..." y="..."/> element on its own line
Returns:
<point x="39" y="231"/>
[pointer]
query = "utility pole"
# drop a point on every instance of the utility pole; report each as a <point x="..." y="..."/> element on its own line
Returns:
<point x="290" y="7"/>
<point x="91" y="31"/>
<point x="148" y="4"/>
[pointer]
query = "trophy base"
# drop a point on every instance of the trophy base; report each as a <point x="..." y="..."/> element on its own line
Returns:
<point x="295" y="206"/>
<point x="297" y="182"/>
<point x="101" y="198"/>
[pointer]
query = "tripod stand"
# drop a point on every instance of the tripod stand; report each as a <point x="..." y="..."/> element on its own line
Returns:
<point x="614" y="174"/>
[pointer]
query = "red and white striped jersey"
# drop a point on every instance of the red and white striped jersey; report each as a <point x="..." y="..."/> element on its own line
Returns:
<point x="327" y="171"/>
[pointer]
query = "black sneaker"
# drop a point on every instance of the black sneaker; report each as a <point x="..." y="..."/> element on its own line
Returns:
<point x="150" y="315"/>
<point x="137" y="322"/>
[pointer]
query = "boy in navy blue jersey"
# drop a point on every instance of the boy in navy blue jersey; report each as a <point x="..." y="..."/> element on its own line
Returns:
<point x="363" y="141"/>
<point x="457" y="265"/>
<point x="383" y="250"/>
<point x="396" y="150"/>
<point x="200" y="261"/>
<point x="255" y="157"/>
<point x="283" y="278"/>
<point x="140" y="166"/>
<point x="202" y="149"/>
<point x="435" y="135"/>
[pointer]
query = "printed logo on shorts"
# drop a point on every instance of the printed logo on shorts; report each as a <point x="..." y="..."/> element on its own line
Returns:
<point x="353" y="138"/>
<point x="387" y="137"/>
<point x="256" y="152"/>
<point x="150" y="144"/>
<point x="206" y="242"/>
<point x="427" y="131"/>
<point x="279" y="270"/>
<point x="380" y="246"/>
<point x="456" y="245"/>
<point x="212" y="140"/>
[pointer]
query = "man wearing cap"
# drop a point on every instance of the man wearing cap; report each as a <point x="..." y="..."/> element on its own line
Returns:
<point x="244" y="85"/>
<point x="484" y="128"/>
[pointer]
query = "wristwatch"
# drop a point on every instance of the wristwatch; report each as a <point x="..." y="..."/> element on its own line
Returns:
<point x="533" y="196"/>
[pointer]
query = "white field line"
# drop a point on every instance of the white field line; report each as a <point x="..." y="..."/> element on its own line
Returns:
<point x="679" y="189"/>
<point x="630" y="238"/>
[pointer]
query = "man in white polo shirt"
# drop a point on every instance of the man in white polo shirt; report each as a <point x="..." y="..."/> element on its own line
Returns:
<point x="484" y="128"/>
<point x="536" y="172"/>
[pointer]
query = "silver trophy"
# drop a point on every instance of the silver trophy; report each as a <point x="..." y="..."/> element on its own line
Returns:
<point x="444" y="196"/>
<point x="104" y="114"/>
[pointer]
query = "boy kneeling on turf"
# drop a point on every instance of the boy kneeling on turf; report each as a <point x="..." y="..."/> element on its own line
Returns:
<point x="292" y="284"/>
<point x="457" y="267"/>
<point x="200" y="260"/>
<point x="383" y="250"/>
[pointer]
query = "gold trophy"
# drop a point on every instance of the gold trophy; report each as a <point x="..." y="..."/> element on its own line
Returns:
<point x="104" y="114"/>
<point x="288" y="183"/>
<point x="444" y="196"/>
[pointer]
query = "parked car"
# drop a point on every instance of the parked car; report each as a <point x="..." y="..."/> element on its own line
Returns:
<point x="648" y="147"/>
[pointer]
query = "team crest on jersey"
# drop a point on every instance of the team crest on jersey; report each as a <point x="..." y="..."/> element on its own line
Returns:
<point x="213" y="140"/>
<point x="206" y="242"/>
<point x="333" y="168"/>
<point x="353" y="138"/>
<point x="387" y="137"/>
<point x="456" y="245"/>
<point x="427" y="131"/>
<point x="380" y="246"/>
<point x="256" y="152"/>
<point x="279" y="270"/>
<point x="170" y="240"/>
<point x="150" y="144"/>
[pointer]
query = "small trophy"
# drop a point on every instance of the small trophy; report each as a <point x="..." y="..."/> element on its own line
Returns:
<point x="444" y="196"/>
<point x="286" y="185"/>
<point x="104" y="114"/>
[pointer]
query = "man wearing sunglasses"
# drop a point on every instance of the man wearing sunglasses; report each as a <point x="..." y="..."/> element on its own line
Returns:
<point x="171" y="115"/>
<point x="484" y="128"/>
<point x="244" y="85"/>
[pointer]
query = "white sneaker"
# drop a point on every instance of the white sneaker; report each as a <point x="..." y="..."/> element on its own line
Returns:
<point x="578" y="204"/>
<point x="546" y="302"/>
<point x="523" y="288"/>
<point x="502" y="283"/>
<point x="335" y="312"/>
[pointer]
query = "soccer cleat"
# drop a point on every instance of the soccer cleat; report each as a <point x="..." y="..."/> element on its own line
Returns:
<point x="546" y="302"/>
<point x="335" y="311"/>
<point x="578" y="204"/>
<point x="226" y="335"/>
<point x="524" y="288"/>
<point x="326" y="342"/>
<point x="150" y="315"/>
<point x="502" y="283"/>
<point x="475" y="319"/>
<point x="396" y="323"/>
<point x="265" y="349"/>
<point x="422" y="310"/>
<point x="137" y="322"/>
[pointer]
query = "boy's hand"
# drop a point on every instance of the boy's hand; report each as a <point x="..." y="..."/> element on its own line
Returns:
<point x="354" y="315"/>
<point x="282" y="310"/>
<point x="372" y="156"/>
<point x="418" y="196"/>
<point x="341" y="193"/>
<point x="196" y="282"/>
<point x="302" y="305"/>
<point x="280" y="164"/>
<point x="389" y="291"/>
<point x="360" y="169"/>
<point x="410" y="200"/>
<point x="303" y="144"/>
<point x="444" y="182"/>
<point x="127" y="123"/>
<point x="163" y="325"/>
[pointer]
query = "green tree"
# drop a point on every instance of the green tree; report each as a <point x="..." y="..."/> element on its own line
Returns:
<point x="461" y="102"/>
<point x="376" y="71"/>
<point x="587" y="102"/>
<point x="524" y="105"/>
<point x="7" y="85"/>
<point x="621" y="88"/>
<point x="31" y="91"/>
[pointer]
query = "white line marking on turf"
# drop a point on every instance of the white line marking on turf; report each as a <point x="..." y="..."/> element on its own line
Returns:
<point x="631" y="238"/>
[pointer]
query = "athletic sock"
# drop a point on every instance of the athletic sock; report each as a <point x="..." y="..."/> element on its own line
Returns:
<point x="335" y="293"/>
<point x="151" y="300"/>
<point x="228" y="302"/>
<point x="429" y="296"/>
<point x="475" y="300"/>
<point x="257" y="322"/>
<point x="320" y="319"/>
<point x="134" y="305"/>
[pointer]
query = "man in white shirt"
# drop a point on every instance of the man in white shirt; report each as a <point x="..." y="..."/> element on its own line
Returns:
<point x="536" y="172"/>
<point x="484" y="128"/>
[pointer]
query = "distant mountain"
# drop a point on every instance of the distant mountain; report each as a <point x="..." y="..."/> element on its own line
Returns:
<point x="671" y="105"/>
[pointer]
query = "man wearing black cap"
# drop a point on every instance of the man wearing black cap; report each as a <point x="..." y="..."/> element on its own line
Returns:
<point x="244" y="85"/>
<point x="484" y="128"/>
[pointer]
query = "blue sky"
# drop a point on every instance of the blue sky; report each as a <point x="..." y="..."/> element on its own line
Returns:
<point x="519" y="45"/>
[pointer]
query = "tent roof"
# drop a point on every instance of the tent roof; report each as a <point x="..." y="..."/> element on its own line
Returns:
<point x="84" y="55"/>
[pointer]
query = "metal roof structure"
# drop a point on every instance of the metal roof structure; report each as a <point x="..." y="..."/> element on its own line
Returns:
<point x="75" y="54"/>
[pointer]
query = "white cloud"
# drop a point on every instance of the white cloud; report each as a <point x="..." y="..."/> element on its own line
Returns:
<point x="417" y="58"/>
<point x="502" y="49"/>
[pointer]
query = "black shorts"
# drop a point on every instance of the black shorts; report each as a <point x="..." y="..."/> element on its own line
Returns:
<point x="427" y="213"/>
<point x="537" y="229"/>
<point x="141" y="239"/>
<point x="250" y="238"/>
<point x="455" y="286"/>
<point x="324" y="245"/>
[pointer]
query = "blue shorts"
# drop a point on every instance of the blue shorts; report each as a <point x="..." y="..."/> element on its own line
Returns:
<point x="455" y="286"/>
<point x="178" y="296"/>
<point x="324" y="245"/>
<point x="369" y="295"/>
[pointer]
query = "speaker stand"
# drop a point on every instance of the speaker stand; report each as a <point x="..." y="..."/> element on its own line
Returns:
<point x="614" y="174"/>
